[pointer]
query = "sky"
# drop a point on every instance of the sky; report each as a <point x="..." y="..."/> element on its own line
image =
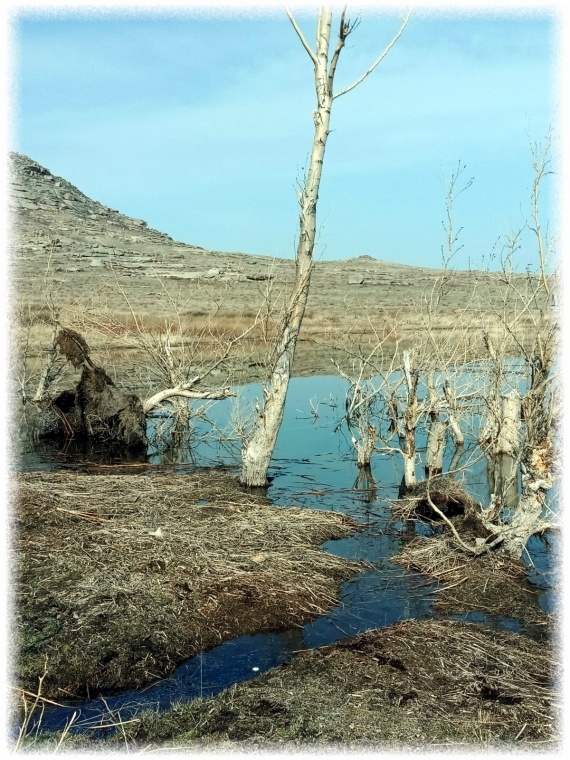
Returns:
<point x="200" y="122"/>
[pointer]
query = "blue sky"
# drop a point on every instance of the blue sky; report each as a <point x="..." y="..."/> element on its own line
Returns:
<point x="200" y="123"/>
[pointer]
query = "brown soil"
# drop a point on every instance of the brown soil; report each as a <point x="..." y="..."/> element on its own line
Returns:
<point x="416" y="684"/>
<point x="120" y="578"/>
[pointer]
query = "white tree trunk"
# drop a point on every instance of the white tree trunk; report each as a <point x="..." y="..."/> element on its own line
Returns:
<point x="501" y="434"/>
<point x="435" y="447"/>
<point x="527" y="519"/>
<point x="452" y="413"/>
<point x="436" y="431"/>
<point x="410" y="418"/>
<point x="258" y="450"/>
<point x="409" y="468"/>
<point x="503" y="480"/>
<point x="454" y="465"/>
<point x="508" y="438"/>
<point x="259" y="446"/>
<point x="365" y="447"/>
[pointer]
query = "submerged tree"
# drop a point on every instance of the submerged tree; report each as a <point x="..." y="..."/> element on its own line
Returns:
<point x="494" y="360"/>
<point x="529" y="331"/>
<point x="260" y="443"/>
<point x="407" y="381"/>
<point x="519" y="394"/>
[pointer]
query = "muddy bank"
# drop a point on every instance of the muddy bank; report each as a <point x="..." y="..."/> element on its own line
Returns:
<point x="416" y="684"/>
<point x="119" y="578"/>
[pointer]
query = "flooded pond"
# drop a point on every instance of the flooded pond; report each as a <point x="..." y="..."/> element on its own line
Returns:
<point x="313" y="467"/>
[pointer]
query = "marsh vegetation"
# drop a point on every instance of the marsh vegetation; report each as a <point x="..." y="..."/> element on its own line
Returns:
<point x="170" y="516"/>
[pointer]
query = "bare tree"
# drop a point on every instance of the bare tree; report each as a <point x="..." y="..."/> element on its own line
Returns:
<point x="522" y="357"/>
<point x="360" y="405"/>
<point x="260" y="443"/>
<point x="402" y="383"/>
<point x="174" y="353"/>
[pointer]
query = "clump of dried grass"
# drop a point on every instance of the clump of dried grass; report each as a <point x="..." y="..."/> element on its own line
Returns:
<point x="445" y="493"/>
<point x="122" y="577"/>
<point x="491" y="583"/>
<point x="438" y="556"/>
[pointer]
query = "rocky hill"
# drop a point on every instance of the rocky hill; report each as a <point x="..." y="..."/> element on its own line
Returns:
<point x="55" y="220"/>
<point x="100" y="267"/>
<point x="87" y="243"/>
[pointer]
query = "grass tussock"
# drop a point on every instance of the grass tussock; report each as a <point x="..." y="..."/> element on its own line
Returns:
<point x="491" y="583"/>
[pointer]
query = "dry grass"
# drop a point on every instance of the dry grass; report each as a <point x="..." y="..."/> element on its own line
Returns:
<point x="445" y="493"/>
<point x="121" y="577"/>
<point x="418" y="684"/>
<point x="489" y="583"/>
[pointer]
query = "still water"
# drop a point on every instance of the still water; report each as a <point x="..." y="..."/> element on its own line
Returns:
<point x="314" y="466"/>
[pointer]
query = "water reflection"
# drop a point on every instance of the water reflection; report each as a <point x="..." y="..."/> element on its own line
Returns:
<point x="366" y="485"/>
<point x="503" y="477"/>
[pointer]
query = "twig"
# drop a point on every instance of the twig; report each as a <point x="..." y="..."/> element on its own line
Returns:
<point x="377" y="61"/>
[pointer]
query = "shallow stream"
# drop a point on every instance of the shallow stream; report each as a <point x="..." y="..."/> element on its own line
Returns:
<point x="313" y="467"/>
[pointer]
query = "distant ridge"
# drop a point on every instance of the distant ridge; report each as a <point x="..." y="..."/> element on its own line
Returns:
<point x="48" y="204"/>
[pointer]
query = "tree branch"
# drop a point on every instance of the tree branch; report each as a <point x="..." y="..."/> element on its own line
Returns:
<point x="301" y="37"/>
<point x="44" y="383"/>
<point x="183" y="390"/>
<point x="343" y="33"/>
<point x="475" y="550"/>
<point x="377" y="61"/>
<point x="226" y="353"/>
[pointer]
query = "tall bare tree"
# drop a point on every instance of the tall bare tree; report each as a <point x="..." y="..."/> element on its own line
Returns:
<point x="260" y="443"/>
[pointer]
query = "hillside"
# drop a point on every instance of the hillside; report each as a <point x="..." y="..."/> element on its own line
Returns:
<point x="102" y="271"/>
<point x="89" y="242"/>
